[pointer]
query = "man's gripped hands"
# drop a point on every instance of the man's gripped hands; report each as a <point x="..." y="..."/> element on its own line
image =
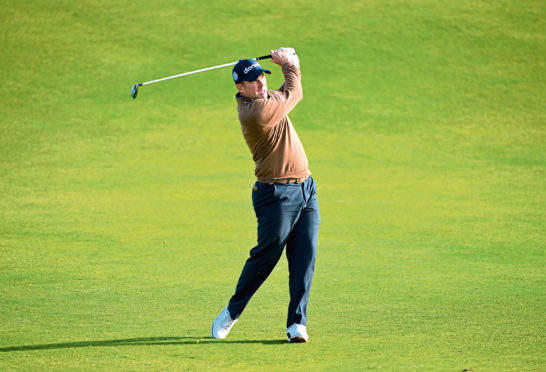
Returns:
<point x="283" y="55"/>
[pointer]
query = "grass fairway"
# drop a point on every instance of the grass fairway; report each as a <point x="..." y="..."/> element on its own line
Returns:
<point x="124" y="224"/>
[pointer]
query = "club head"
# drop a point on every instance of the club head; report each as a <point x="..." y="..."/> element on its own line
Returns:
<point x="134" y="90"/>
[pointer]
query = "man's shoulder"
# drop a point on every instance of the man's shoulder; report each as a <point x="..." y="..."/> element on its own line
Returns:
<point x="256" y="103"/>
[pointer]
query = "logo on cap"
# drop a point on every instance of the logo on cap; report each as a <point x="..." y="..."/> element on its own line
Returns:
<point x="235" y="76"/>
<point x="249" y="68"/>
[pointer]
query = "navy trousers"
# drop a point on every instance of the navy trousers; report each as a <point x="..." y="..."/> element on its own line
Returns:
<point x="288" y="215"/>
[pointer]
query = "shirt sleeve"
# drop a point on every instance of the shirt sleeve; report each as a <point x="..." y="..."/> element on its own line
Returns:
<point x="277" y="105"/>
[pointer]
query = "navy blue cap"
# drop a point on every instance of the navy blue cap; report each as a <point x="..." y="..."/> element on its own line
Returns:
<point x="247" y="70"/>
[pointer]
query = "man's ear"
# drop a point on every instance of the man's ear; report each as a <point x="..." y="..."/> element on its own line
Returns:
<point x="240" y="87"/>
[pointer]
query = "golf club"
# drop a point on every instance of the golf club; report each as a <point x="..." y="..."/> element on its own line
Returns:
<point x="134" y="90"/>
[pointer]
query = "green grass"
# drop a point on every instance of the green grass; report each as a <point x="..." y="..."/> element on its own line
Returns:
<point x="124" y="224"/>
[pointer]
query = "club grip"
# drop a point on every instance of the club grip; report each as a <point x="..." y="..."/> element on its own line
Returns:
<point x="267" y="56"/>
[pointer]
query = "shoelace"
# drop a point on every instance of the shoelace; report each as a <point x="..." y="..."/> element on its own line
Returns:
<point x="229" y="322"/>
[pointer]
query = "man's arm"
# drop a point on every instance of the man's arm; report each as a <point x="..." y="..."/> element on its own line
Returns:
<point x="277" y="106"/>
<point x="292" y="57"/>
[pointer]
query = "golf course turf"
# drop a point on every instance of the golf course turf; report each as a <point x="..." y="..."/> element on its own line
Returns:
<point x="124" y="224"/>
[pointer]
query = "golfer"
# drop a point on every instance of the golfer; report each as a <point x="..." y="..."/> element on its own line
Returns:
<point x="284" y="195"/>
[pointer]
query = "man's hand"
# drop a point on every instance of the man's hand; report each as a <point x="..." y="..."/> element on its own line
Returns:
<point x="284" y="55"/>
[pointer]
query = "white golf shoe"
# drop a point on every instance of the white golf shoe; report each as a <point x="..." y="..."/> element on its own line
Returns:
<point x="297" y="333"/>
<point x="222" y="324"/>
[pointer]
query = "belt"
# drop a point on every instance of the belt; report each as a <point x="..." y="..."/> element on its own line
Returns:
<point x="293" y="180"/>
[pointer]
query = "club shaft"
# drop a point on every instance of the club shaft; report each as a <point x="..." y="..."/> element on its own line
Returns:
<point x="200" y="70"/>
<point x="189" y="73"/>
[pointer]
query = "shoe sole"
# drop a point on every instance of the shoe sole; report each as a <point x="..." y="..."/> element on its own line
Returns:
<point x="297" y="340"/>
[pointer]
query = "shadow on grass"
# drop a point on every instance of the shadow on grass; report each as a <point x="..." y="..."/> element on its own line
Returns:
<point x="140" y="341"/>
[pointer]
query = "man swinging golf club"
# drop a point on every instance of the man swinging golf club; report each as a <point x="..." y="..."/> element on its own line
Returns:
<point x="284" y="195"/>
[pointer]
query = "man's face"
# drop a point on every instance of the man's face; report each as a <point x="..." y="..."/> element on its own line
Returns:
<point x="254" y="89"/>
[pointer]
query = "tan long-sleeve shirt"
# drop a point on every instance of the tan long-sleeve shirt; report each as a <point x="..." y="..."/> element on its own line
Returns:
<point x="275" y="146"/>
